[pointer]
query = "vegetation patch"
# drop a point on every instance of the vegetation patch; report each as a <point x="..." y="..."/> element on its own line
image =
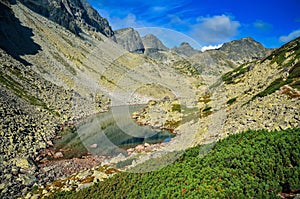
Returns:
<point x="294" y="73"/>
<point x="229" y="77"/>
<point x="186" y="68"/>
<point x="176" y="108"/>
<point x="206" y="112"/>
<point x="19" y="90"/>
<point x="296" y="85"/>
<point x="231" y="101"/>
<point x="235" y="167"/>
<point x="279" y="55"/>
<point x="155" y="90"/>
<point x="275" y="85"/>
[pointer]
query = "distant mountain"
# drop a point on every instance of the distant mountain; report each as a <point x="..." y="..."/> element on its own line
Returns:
<point x="151" y="42"/>
<point x="246" y="48"/>
<point x="130" y="40"/>
<point x="185" y="49"/>
<point x="72" y="14"/>
<point x="154" y="48"/>
<point x="229" y="56"/>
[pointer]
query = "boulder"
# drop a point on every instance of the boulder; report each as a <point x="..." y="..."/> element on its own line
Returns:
<point x="58" y="155"/>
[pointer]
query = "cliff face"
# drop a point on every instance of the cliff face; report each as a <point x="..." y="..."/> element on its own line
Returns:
<point x="130" y="40"/>
<point x="73" y="15"/>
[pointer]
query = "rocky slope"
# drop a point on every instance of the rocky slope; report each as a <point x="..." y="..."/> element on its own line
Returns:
<point x="51" y="77"/>
<point x="262" y="94"/>
<point x="265" y="92"/>
<point x="130" y="40"/>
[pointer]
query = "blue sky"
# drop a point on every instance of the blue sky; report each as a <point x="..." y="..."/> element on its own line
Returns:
<point x="208" y="22"/>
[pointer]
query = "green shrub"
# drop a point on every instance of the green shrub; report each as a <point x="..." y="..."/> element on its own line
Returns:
<point x="253" y="164"/>
<point x="176" y="108"/>
<point x="275" y="85"/>
<point x="295" y="71"/>
<point x="231" y="101"/>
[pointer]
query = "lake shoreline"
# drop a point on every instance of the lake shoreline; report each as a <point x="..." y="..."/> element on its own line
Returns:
<point x="52" y="161"/>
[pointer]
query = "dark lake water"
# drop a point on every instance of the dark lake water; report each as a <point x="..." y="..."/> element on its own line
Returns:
<point x="109" y="134"/>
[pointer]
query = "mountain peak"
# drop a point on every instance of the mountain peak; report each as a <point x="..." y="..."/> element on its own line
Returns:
<point x="185" y="49"/>
<point x="185" y="44"/>
<point x="150" y="41"/>
<point x="130" y="40"/>
<point x="247" y="41"/>
<point x="246" y="47"/>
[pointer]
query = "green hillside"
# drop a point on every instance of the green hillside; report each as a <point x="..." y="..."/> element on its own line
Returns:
<point x="253" y="164"/>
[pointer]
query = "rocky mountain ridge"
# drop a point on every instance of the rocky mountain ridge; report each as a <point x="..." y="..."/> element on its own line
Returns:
<point x="151" y="42"/>
<point x="74" y="15"/>
<point x="211" y="63"/>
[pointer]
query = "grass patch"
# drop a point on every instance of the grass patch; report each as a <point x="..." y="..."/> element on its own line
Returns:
<point x="229" y="77"/>
<point x="275" y="85"/>
<point x="295" y="71"/>
<point x="19" y="90"/>
<point x="279" y="55"/>
<point x="155" y="90"/>
<point x="63" y="62"/>
<point x="296" y="85"/>
<point x="186" y="68"/>
<point x="206" y="112"/>
<point x="176" y="108"/>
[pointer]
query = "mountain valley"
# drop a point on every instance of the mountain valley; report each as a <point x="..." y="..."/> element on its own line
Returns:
<point x="63" y="65"/>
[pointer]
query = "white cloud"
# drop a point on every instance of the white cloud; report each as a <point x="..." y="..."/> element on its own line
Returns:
<point x="158" y="9"/>
<point x="291" y="36"/>
<point x="174" y="19"/>
<point x="216" y="29"/>
<point x="130" y="21"/>
<point x="211" y="47"/>
<point x="261" y="25"/>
